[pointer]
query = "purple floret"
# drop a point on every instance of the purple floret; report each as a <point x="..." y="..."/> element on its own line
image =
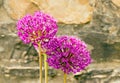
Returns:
<point x="67" y="53"/>
<point x="36" y="29"/>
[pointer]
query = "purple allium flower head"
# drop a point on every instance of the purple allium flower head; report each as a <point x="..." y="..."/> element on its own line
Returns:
<point x="67" y="53"/>
<point x="37" y="28"/>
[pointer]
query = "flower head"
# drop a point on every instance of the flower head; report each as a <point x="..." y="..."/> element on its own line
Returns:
<point x="38" y="28"/>
<point x="67" y="53"/>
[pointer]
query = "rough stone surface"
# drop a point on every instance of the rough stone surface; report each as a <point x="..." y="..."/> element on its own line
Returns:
<point x="18" y="8"/>
<point x="17" y="68"/>
<point x="100" y="73"/>
<point x="116" y="2"/>
<point x="105" y="25"/>
<point x="95" y="73"/>
<point x="72" y="11"/>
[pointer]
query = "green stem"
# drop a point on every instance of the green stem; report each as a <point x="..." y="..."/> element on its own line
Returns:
<point x="46" y="68"/>
<point x="65" y="78"/>
<point x="40" y="64"/>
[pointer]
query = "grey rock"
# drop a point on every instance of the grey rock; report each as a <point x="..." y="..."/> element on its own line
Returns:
<point x="14" y="68"/>
<point x="100" y="73"/>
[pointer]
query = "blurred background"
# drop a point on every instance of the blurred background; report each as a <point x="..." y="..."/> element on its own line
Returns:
<point x="97" y="22"/>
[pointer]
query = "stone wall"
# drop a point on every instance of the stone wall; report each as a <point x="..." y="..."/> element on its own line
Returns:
<point x="12" y="10"/>
<point x="97" y="22"/>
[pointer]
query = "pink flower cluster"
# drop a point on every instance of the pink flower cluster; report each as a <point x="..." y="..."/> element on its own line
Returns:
<point x="36" y="29"/>
<point x="67" y="53"/>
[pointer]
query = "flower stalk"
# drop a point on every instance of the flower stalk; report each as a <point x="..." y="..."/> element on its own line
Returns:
<point x="46" y="68"/>
<point x="40" y="63"/>
<point x="65" y="78"/>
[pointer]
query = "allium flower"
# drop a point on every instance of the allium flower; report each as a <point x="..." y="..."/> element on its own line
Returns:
<point x="67" y="53"/>
<point x="37" y="28"/>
